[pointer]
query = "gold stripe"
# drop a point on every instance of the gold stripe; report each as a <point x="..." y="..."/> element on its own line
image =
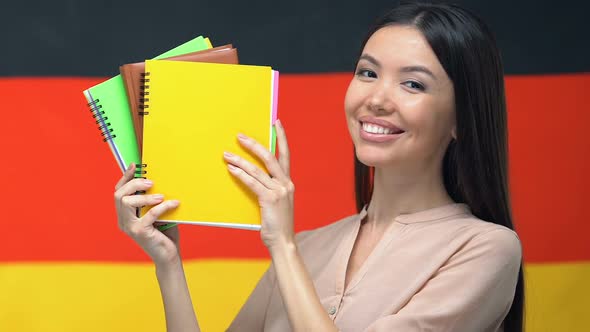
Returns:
<point x="117" y="297"/>
<point x="125" y="297"/>
<point x="557" y="297"/>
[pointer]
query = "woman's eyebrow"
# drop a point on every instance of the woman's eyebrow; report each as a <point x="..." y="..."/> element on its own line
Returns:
<point x="420" y="69"/>
<point x="370" y="59"/>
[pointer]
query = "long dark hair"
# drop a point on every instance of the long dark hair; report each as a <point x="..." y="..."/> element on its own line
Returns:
<point x="475" y="165"/>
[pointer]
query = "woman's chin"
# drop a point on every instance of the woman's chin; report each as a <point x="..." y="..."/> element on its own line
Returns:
<point x="375" y="159"/>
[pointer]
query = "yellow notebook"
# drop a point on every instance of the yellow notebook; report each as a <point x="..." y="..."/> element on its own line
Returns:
<point x="195" y="111"/>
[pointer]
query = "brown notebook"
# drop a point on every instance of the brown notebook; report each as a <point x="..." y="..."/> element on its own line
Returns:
<point x="132" y="75"/>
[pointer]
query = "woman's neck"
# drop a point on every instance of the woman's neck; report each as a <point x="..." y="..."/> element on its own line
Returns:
<point x="398" y="192"/>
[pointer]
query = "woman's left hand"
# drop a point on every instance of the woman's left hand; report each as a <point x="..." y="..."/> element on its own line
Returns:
<point x="275" y="190"/>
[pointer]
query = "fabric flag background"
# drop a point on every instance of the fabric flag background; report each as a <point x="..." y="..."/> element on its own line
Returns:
<point x="64" y="265"/>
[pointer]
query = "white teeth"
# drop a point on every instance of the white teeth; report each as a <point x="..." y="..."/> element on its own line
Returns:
<point x="374" y="129"/>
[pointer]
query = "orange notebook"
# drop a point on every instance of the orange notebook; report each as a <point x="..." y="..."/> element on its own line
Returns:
<point x="132" y="75"/>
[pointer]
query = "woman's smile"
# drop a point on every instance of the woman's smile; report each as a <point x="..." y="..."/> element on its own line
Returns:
<point x="378" y="130"/>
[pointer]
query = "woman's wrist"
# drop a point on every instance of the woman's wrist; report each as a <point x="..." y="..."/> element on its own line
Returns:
<point x="163" y="253"/>
<point x="173" y="264"/>
<point x="282" y="246"/>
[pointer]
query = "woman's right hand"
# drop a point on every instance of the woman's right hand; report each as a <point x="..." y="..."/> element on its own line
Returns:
<point x="162" y="247"/>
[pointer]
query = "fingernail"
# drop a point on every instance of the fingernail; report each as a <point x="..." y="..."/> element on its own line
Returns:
<point x="242" y="136"/>
<point x="231" y="167"/>
<point x="278" y="123"/>
<point x="174" y="203"/>
<point x="228" y="154"/>
<point x="148" y="182"/>
<point x="158" y="196"/>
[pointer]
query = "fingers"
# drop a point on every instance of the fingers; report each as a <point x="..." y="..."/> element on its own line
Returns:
<point x="284" y="153"/>
<point x="137" y="201"/>
<point x="127" y="176"/>
<point x="256" y="186"/>
<point x="132" y="187"/>
<point x="155" y="212"/>
<point x="266" y="156"/>
<point x="252" y="170"/>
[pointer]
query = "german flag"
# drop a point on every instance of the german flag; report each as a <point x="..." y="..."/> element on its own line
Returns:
<point x="65" y="266"/>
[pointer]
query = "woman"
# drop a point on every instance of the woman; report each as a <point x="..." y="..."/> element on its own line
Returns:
<point x="432" y="247"/>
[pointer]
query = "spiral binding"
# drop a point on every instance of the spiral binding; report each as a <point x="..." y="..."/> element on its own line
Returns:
<point x="140" y="168"/>
<point x="140" y="171"/>
<point x="143" y="87"/>
<point x="97" y="113"/>
<point x="139" y="174"/>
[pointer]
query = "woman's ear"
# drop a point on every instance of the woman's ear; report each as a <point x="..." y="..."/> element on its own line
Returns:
<point x="454" y="133"/>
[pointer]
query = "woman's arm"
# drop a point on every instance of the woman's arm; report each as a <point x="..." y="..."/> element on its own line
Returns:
<point x="178" y="306"/>
<point x="161" y="246"/>
<point x="275" y="192"/>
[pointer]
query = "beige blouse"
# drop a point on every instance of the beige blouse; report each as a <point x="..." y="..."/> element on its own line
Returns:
<point x="441" y="269"/>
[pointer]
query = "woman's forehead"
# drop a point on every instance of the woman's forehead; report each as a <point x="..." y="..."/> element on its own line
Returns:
<point x="399" y="43"/>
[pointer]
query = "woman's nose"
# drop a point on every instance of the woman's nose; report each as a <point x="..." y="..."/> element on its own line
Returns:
<point x="381" y="99"/>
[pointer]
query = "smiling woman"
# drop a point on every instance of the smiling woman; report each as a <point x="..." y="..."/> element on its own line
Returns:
<point x="436" y="71"/>
<point x="401" y="87"/>
<point x="432" y="246"/>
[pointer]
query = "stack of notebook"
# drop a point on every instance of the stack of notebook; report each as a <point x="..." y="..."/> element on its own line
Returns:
<point x="176" y="115"/>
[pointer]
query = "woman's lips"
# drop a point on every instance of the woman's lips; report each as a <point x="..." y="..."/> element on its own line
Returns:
<point x="379" y="138"/>
<point x="380" y="123"/>
<point x="378" y="130"/>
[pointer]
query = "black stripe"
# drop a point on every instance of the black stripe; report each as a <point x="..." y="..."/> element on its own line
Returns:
<point x="92" y="38"/>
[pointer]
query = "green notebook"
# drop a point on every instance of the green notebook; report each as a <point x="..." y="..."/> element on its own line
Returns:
<point x="110" y="108"/>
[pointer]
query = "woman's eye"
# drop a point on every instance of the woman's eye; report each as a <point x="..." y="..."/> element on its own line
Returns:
<point x="366" y="73"/>
<point x="414" y="85"/>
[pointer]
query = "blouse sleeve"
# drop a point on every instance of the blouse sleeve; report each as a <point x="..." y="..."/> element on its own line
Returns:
<point x="473" y="291"/>
<point x="252" y="315"/>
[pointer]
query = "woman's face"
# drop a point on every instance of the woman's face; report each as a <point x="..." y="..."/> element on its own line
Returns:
<point x="400" y="104"/>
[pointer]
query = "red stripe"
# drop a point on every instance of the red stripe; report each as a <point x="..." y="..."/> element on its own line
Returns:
<point x="58" y="176"/>
<point x="550" y="165"/>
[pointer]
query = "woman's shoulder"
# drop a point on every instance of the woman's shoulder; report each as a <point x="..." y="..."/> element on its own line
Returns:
<point x="485" y="236"/>
<point x="456" y="230"/>
<point x="480" y="227"/>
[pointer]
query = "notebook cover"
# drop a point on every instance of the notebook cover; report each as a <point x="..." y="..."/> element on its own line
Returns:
<point x="196" y="111"/>
<point x="110" y="109"/>
<point x="132" y="72"/>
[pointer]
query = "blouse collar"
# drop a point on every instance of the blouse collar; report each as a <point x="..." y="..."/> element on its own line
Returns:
<point x="433" y="214"/>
